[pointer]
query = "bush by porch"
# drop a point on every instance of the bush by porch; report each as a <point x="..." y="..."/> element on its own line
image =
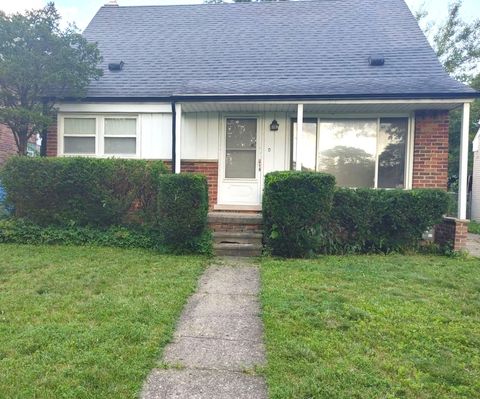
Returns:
<point x="305" y="214"/>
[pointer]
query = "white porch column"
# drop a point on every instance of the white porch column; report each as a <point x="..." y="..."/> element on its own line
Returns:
<point x="462" y="184"/>
<point x="298" y="155"/>
<point x="178" y="137"/>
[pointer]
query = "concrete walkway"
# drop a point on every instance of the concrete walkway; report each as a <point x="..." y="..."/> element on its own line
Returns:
<point x="218" y="341"/>
<point x="473" y="244"/>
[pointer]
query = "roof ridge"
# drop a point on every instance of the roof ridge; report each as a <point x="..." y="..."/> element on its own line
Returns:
<point x="217" y="5"/>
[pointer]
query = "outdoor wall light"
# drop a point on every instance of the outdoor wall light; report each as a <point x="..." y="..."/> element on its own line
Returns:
<point x="274" y="125"/>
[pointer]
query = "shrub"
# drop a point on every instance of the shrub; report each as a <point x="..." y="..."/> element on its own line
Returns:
<point x="304" y="214"/>
<point x="367" y="220"/>
<point x="296" y="208"/>
<point x="82" y="191"/>
<point x="18" y="231"/>
<point x="182" y="211"/>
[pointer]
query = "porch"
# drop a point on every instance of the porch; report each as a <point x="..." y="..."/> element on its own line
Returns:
<point x="386" y="143"/>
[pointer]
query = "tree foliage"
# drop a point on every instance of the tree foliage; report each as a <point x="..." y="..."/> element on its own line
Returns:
<point x="40" y="63"/>
<point x="457" y="44"/>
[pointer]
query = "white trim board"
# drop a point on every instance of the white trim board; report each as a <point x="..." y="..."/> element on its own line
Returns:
<point x="115" y="107"/>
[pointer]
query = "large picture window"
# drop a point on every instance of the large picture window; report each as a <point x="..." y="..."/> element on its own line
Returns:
<point x="368" y="152"/>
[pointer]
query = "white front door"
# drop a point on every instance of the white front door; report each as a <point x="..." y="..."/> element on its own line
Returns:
<point x="240" y="166"/>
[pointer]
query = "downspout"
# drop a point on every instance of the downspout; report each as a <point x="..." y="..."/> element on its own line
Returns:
<point x="174" y="135"/>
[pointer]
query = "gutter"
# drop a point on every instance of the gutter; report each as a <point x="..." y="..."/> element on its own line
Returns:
<point x="174" y="135"/>
<point x="284" y="97"/>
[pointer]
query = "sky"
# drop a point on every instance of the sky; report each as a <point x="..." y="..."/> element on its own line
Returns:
<point x="82" y="11"/>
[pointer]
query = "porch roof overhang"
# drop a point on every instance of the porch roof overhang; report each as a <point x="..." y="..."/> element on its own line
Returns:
<point x="364" y="106"/>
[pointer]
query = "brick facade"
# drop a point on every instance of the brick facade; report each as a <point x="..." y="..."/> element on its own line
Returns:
<point x="7" y="143"/>
<point x="452" y="233"/>
<point x="430" y="154"/>
<point x="209" y="169"/>
<point x="52" y="140"/>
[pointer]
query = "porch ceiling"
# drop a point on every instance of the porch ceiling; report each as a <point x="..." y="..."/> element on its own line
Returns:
<point x="326" y="107"/>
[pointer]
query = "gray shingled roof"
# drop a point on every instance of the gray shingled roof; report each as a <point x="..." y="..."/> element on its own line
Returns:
<point x="298" y="48"/>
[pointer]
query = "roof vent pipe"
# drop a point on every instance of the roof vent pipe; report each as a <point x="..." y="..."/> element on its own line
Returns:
<point x="111" y="3"/>
<point x="376" y="60"/>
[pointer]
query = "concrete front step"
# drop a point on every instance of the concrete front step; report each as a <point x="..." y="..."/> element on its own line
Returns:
<point x="234" y="218"/>
<point x="229" y="249"/>
<point x="236" y="233"/>
<point x="237" y="237"/>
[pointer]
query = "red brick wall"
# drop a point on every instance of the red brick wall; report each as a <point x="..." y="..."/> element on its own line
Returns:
<point x="209" y="169"/>
<point x="52" y="140"/>
<point x="430" y="156"/>
<point x="452" y="233"/>
<point x="7" y="143"/>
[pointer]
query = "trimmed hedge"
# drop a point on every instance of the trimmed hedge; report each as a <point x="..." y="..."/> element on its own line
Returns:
<point x="82" y="191"/>
<point x="295" y="206"/>
<point x="367" y="220"/>
<point x="304" y="215"/>
<point x="183" y="209"/>
<point x="112" y="202"/>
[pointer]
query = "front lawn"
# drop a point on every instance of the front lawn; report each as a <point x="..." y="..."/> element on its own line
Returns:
<point x="372" y="327"/>
<point x="79" y="322"/>
<point x="474" y="227"/>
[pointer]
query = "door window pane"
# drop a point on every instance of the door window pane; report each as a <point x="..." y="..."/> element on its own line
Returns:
<point x="124" y="145"/>
<point x="308" y="143"/>
<point x="392" y="140"/>
<point x="347" y="150"/>
<point x="79" y="145"/>
<point x="240" y="164"/>
<point x="241" y="148"/>
<point x="120" y="127"/>
<point x="79" y="126"/>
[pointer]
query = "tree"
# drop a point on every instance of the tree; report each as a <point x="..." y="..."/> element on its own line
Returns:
<point x="40" y="64"/>
<point x="457" y="44"/>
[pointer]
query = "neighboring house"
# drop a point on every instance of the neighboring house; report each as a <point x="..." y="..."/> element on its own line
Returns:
<point x="476" y="179"/>
<point x="7" y="144"/>
<point x="234" y="91"/>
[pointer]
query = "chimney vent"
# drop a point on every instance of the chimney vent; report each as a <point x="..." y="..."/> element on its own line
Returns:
<point x="376" y="60"/>
<point x="116" y="66"/>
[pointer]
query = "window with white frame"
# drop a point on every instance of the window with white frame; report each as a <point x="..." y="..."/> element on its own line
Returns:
<point x="370" y="152"/>
<point x="100" y="135"/>
<point x="120" y="136"/>
<point x="79" y="136"/>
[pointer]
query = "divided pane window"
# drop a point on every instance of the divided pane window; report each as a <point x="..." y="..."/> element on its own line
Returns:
<point x="358" y="152"/>
<point x="120" y="136"/>
<point x="79" y="136"/>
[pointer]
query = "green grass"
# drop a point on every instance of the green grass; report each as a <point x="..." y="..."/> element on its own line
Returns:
<point x="372" y="327"/>
<point x="474" y="227"/>
<point x="80" y="322"/>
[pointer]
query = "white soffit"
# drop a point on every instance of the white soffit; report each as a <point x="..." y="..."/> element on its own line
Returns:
<point x="339" y="107"/>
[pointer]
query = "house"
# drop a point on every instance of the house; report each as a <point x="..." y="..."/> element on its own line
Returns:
<point x="476" y="179"/>
<point x="234" y="91"/>
<point x="7" y="143"/>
